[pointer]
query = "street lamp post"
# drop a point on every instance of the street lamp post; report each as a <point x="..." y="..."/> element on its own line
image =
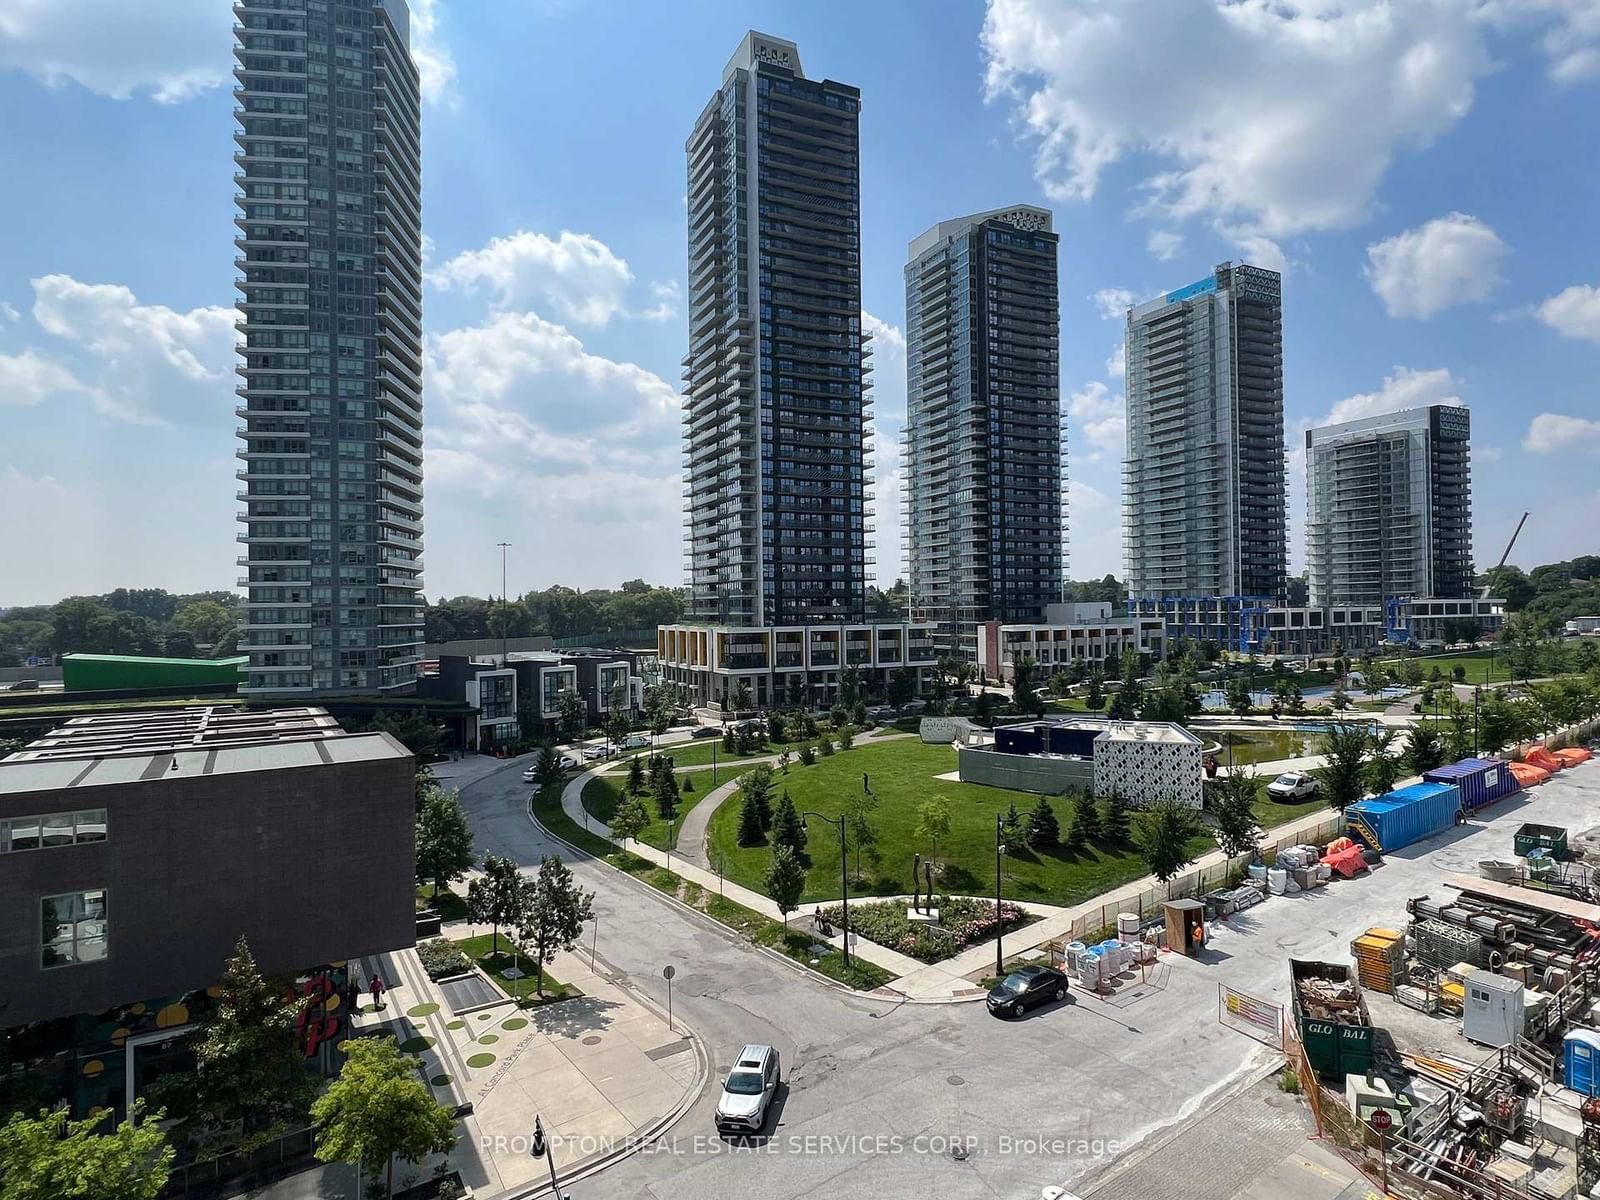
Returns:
<point x="999" y="925"/>
<point x="504" y="615"/>
<point x="844" y="874"/>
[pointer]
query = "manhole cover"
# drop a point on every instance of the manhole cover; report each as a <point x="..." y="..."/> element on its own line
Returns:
<point x="955" y="1081"/>
<point x="958" y="1152"/>
<point x="591" y="1040"/>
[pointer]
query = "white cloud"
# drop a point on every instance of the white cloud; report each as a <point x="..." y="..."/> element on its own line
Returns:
<point x="1094" y="532"/>
<point x="9" y="312"/>
<point x="1448" y="261"/>
<point x="1117" y="363"/>
<point x="436" y="66"/>
<point x="1164" y="244"/>
<point x="1315" y="103"/>
<point x="156" y="363"/>
<point x="886" y="514"/>
<point x="1101" y="417"/>
<point x="171" y="51"/>
<point x="667" y="296"/>
<point x="1487" y="453"/>
<point x="576" y="273"/>
<point x="1570" y="37"/>
<point x="1574" y="313"/>
<point x="1405" y="388"/>
<point x="1550" y="432"/>
<point x="28" y="379"/>
<point x="1114" y="302"/>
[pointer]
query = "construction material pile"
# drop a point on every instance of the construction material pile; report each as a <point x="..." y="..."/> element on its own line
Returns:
<point x="1439" y="944"/>
<point x="1333" y="1000"/>
<point x="1380" y="956"/>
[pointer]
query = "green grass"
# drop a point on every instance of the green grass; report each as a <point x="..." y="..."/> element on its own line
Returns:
<point x="795" y="944"/>
<point x="1270" y="813"/>
<point x="1072" y="704"/>
<point x="447" y="904"/>
<point x="699" y="753"/>
<point x="480" y="950"/>
<point x="1482" y="666"/>
<point x="546" y="805"/>
<point x="603" y="794"/>
<point x="902" y="776"/>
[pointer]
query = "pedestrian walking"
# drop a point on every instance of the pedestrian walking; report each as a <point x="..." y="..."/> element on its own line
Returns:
<point x="352" y="994"/>
<point x="376" y="987"/>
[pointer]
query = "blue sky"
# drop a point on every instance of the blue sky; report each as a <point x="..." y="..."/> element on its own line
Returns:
<point x="1424" y="171"/>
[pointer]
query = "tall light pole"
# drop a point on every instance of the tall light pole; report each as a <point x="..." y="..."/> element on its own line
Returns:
<point x="999" y="925"/>
<point x="844" y="874"/>
<point x="504" y="615"/>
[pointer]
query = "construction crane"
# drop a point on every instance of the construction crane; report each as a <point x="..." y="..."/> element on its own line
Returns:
<point x="1489" y="579"/>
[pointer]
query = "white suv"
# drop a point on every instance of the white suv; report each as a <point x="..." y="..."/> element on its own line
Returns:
<point x="748" y="1090"/>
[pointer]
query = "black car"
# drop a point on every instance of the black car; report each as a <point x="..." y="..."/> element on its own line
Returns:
<point x="1025" y="988"/>
<point x="706" y="731"/>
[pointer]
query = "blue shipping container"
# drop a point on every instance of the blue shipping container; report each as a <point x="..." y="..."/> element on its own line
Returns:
<point x="1405" y="815"/>
<point x="1581" y="1054"/>
<point x="1481" y="780"/>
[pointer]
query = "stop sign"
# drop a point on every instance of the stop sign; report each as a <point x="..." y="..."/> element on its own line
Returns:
<point x="1381" y="1120"/>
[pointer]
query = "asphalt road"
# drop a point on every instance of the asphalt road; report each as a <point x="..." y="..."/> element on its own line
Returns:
<point x="879" y="1096"/>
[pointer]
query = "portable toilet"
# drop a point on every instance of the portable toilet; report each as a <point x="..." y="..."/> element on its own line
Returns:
<point x="1492" y="1009"/>
<point x="1581" y="1056"/>
<point x="1185" y="925"/>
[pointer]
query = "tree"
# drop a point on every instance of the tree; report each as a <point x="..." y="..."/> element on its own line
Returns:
<point x="554" y="914"/>
<point x="572" y="714"/>
<point x="618" y="727"/>
<point x="1411" y="673"/>
<point x="1117" y="825"/>
<point x="1423" y="750"/>
<point x="902" y="686"/>
<point x="206" y="621"/>
<point x="933" y="823"/>
<point x="547" y="771"/>
<point x="1233" y="798"/>
<point x="1339" y="701"/>
<point x="858" y="810"/>
<point x="635" y="775"/>
<point x="752" y="830"/>
<point x="787" y="828"/>
<point x="1012" y="834"/>
<point x="1044" y="831"/>
<point x="756" y="785"/>
<point x="659" y="706"/>
<point x="849" y="686"/>
<point x="1383" y="769"/>
<point x="51" y="1156"/>
<point x="786" y="881"/>
<point x="1096" y="699"/>
<point x="1237" y="693"/>
<point x="414" y="731"/>
<point x="730" y="741"/>
<point x="378" y="1110"/>
<point x="688" y="782"/>
<point x="825" y="746"/>
<point x="1025" y="686"/>
<point x="741" y="697"/>
<point x="775" y="726"/>
<point x="1342" y="775"/>
<point x="847" y="737"/>
<point x="1076" y="841"/>
<point x="495" y="897"/>
<point x="665" y="794"/>
<point x="1162" y="832"/>
<point x="795" y="692"/>
<point x="444" y="839"/>
<point x="1086" y="817"/>
<point x="250" y="1078"/>
<point x="1129" y="699"/>
<point x="629" y="820"/>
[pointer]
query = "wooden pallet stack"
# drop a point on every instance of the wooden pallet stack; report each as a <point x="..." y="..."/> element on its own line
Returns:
<point x="1380" y="956"/>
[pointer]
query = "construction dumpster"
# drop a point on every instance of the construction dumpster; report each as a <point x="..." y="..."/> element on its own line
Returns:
<point x="1405" y="815"/>
<point x="1331" y="1017"/>
<point x="1481" y="780"/>
<point x="1551" y="839"/>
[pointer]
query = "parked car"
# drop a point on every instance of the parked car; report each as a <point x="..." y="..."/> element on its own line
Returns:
<point x="1025" y="988"/>
<point x="528" y="775"/>
<point x="635" y="740"/>
<point x="706" y="731"/>
<point x="569" y="762"/>
<point x="598" y="750"/>
<point x="748" y="1090"/>
<point x="1293" y="785"/>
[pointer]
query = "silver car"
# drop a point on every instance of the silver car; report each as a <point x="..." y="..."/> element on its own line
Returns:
<point x="748" y="1090"/>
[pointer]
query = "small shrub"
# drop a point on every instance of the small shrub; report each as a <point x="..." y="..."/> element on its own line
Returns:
<point x="1289" y="1081"/>
<point x="808" y="755"/>
<point x="825" y="747"/>
<point x="442" y="958"/>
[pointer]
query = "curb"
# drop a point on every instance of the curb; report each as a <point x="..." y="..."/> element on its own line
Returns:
<point x="897" y="999"/>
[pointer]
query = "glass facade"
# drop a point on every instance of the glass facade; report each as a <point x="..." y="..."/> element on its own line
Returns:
<point x="74" y="928"/>
<point x="330" y="244"/>
<point x="776" y="432"/>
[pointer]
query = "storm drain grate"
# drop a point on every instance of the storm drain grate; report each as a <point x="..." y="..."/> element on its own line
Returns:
<point x="468" y="992"/>
<point x="667" y="1051"/>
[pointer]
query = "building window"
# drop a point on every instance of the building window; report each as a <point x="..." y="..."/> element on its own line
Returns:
<point x="53" y="829"/>
<point x="72" y="928"/>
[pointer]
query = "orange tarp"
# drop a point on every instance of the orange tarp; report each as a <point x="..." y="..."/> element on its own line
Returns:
<point x="1543" y="758"/>
<point x="1572" y="755"/>
<point x="1527" y="774"/>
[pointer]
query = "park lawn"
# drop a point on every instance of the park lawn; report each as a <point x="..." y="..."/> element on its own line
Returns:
<point x="1269" y="813"/>
<point x="1072" y="704"/>
<point x="603" y="793"/>
<point x="1482" y="666"/>
<point x="480" y="950"/>
<point x="699" y="753"/>
<point x="902" y="777"/>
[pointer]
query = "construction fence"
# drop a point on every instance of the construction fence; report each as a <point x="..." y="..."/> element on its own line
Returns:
<point x="1197" y="883"/>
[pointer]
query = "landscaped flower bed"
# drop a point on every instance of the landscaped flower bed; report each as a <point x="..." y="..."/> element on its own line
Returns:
<point x="963" y="920"/>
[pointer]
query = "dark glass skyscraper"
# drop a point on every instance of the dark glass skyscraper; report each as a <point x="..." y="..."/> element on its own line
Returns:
<point x="984" y="511"/>
<point x="330" y="241"/>
<point x="775" y="425"/>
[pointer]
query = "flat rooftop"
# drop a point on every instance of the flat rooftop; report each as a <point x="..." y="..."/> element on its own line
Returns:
<point x="1118" y="731"/>
<point x="129" y="747"/>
